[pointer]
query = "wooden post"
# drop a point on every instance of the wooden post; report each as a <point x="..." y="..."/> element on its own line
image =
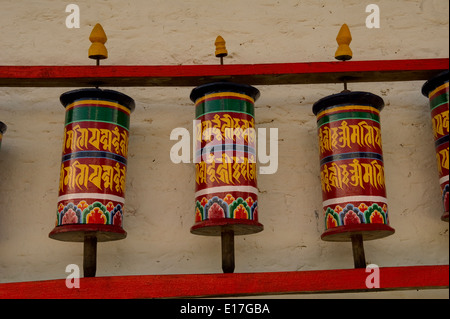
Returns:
<point x="227" y="237"/>
<point x="359" y="257"/>
<point x="90" y="255"/>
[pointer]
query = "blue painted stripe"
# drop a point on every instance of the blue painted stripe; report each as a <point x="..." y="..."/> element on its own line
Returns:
<point x="444" y="139"/>
<point x="94" y="154"/>
<point x="225" y="147"/>
<point x="346" y="156"/>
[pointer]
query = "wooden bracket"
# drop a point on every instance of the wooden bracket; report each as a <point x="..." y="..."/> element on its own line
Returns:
<point x="227" y="285"/>
<point x="194" y="75"/>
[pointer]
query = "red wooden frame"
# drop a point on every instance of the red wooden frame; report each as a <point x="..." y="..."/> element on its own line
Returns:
<point x="176" y="286"/>
<point x="194" y="75"/>
<point x="227" y="285"/>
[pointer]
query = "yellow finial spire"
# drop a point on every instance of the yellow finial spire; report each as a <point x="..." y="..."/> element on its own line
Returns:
<point x="343" y="52"/>
<point x="221" y="50"/>
<point x="97" y="50"/>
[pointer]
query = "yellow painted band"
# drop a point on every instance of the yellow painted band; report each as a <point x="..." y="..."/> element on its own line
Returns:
<point x="430" y="95"/>
<point x="224" y="94"/>
<point x="114" y="104"/>
<point x="349" y="108"/>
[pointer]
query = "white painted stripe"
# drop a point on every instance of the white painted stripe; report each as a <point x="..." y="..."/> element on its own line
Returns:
<point x="443" y="179"/>
<point x="225" y="189"/>
<point x="360" y="198"/>
<point x="92" y="195"/>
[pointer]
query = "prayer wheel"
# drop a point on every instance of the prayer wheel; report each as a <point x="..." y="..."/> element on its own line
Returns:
<point x="3" y="128"/>
<point x="93" y="167"/>
<point x="351" y="168"/>
<point x="226" y="194"/>
<point x="437" y="91"/>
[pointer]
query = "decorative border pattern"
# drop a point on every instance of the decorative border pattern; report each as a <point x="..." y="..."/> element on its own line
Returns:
<point x="348" y="214"/>
<point x="85" y="213"/>
<point x="226" y="207"/>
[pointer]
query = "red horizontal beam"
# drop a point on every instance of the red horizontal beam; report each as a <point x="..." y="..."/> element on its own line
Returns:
<point x="209" y="285"/>
<point x="193" y="75"/>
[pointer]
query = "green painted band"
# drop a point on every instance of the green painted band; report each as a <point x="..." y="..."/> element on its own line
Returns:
<point x="348" y="116"/>
<point x="215" y="112"/>
<point x="100" y="114"/>
<point x="98" y="121"/>
<point x="225" y="105"/>
<point x="438" y="101"/>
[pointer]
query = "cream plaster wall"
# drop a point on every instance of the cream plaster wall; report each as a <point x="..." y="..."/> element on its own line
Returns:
<point x="159" y="198"/>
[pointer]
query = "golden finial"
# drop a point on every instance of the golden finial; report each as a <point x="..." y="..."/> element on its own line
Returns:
<point x="343" y="52"/>
<point x="97" y="50"/>
<point x="221" y="50"/>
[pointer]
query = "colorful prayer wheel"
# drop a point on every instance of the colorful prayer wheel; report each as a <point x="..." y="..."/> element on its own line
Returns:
<point x="3" y="128"/>
<point x="351" y="167"/>
<point x="226" y="194"/>
<point x="93" y="167"/>
<point x="437" y="91"/>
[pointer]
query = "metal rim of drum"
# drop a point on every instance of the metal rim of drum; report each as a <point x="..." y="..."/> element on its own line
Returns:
<point x="434" y="82"/>
<point x="3" y="127"/>
<point x="77" y="232"/>
<point x="367" y="231"/>
<point x="217" y="87"/>
<point x="123" y="99"/>
<point x="348" y="98"/>
<point x="215" y="228"/>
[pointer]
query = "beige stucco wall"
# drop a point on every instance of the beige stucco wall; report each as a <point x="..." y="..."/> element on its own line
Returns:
<point x="159" y="200"/>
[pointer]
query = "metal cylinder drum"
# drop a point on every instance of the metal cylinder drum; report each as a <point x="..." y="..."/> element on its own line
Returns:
<point x="437" y="91"/>
<point x="93" y="166"/>
<point x="226" y="194"/>
<point x="351" y="166"/>
<point x="3" y="128"/>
